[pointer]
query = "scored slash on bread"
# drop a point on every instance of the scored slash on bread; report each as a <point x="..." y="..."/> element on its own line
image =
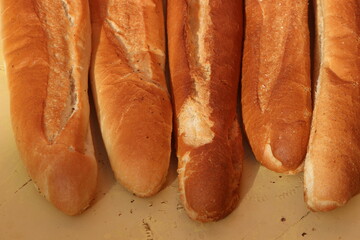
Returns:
<point x="204" y="40"/>
<point x="131" y="97"/>
<point x="47" y="48"/>
<point x="276" y="95"/>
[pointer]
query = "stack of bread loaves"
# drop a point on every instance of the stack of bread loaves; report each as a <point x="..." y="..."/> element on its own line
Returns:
<point x="50" y="46"/>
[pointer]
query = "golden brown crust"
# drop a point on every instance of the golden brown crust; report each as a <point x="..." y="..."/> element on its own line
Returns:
<point x="131" y="97"/>
<point x="332" y="166"/>
<point x="276" y="97"/>
<point x="47" y="65"/>
<point x="205" y="53"/>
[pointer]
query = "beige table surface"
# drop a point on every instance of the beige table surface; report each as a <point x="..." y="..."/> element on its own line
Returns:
<point x="271" y="205"/>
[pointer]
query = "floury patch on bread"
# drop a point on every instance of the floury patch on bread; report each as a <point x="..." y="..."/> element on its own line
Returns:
<point x="332" y="164"/>
<point x="204" y="55"/>
<point x="131" y="97"/>
<point x="47" y="47"/>
<point x="276" y="84"/>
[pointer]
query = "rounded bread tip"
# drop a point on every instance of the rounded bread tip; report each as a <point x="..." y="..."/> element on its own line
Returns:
<point x="207" y="214"/>
<point x="70" y="183"/>
<point x="273" y="163"/>
<point x="142" y="172"/>
<point x="142" y="188"/>
<point x="209" y="190"/>
<point x="316" y="205"/>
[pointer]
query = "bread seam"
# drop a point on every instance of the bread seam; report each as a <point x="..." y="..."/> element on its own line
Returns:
<point x="309" y="172"/>
<point x="65" y="5"/>
<point x="130" y="79"/>
<point x="265" y="87"/>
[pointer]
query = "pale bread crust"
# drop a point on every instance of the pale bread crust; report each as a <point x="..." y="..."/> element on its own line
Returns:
<point x="204" y="54"/>
<point x="131" y="97"/>
<point x="332" y="165"/>
<point x="276" y="86"/>
<point x="47" y="55"/>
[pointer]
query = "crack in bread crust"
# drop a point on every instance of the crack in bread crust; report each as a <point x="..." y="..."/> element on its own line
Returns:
<point x="126" y="28"/>
<point x="62" y="100"/>
<point x="194" y="117"/>
<point x="272" y="50"/>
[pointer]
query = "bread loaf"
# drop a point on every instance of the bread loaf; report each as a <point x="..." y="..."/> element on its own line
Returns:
<point x="128" y="83"/>
<point x="204" y="54"/>
<point x="332" y="164"/>
<point x="276" y="86"/>
<point x="47" y="55"/>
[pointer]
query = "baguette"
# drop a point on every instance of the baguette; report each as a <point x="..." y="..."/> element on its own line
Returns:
<point x="276" y="85"/>
<point x="47" y="55"/>
<point x="205" y="53"/>
<point x="129" y="88"/>
<point x="332" y="164"/>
